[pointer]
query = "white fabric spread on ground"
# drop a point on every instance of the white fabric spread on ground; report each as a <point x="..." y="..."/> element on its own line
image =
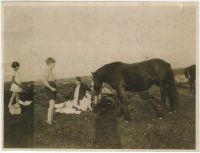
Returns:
<point x="25" y="103"/>
<point x="71" y="107"/>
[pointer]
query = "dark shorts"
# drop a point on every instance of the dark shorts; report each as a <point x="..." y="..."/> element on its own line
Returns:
<point x="51" y="95"/>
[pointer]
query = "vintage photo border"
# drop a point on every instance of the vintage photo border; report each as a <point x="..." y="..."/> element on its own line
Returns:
<point x="101" y="150"/>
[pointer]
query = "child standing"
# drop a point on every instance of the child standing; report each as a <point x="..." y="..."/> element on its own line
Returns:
<point x="16" y="85"/>
<point x="49" y="80"/>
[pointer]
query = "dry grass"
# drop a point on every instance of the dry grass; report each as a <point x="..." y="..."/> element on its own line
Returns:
<point x="89" y="130"/>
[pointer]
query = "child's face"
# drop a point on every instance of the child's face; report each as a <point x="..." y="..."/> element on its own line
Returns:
<point x="52" y="65"/>
<point x="16" y="68"/>
<point x="77" y="82"/>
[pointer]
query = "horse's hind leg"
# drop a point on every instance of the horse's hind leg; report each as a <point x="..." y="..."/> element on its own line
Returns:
<point x="117" y="106"/>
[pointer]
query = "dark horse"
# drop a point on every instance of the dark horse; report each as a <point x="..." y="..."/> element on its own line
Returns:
<point x="137" y="77"/>
<point x="190" y="74"/>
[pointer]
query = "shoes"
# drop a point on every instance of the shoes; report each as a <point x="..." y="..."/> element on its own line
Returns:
<point x="49" y="123"/>
<point x="54" y="121"/>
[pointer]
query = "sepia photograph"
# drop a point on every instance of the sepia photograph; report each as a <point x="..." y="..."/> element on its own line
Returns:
<point x="100" y="75"/>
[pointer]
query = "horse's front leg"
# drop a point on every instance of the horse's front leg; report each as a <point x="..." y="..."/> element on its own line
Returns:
<point x="163" y="93"/>
<point x="123" y="100"/>
<point x="118" y="108"/>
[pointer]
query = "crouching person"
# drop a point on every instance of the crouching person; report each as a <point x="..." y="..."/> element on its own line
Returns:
<point x="49" y="80"/>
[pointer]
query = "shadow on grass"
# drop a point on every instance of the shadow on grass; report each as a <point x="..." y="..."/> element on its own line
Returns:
<point x="18" y="129"/>
<point x="106" y="128"/>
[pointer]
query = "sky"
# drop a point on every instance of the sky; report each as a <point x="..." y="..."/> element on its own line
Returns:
<point x="83" y="36"/>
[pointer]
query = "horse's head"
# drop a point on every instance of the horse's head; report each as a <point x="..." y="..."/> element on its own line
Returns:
<point x="96" y="83"/>
<point x="96" y="87"/>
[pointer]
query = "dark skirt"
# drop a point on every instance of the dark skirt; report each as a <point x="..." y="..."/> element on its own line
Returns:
<point x="51" y="95"/>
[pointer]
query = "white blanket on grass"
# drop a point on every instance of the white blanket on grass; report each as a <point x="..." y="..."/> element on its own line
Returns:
<point x="71" y="107"/>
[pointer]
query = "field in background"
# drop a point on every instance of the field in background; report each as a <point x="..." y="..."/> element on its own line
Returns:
<point x="89" y="130"/>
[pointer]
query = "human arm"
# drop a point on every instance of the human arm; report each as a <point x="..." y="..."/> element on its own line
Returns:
<point x="13" y="81"/>
<point x="87" y="88"/>
<point x="45" y="81"/>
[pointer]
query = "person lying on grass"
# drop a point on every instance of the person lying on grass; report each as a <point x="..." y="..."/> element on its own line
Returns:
<point x="81" y="99"/>
<point x="70" y="107"/>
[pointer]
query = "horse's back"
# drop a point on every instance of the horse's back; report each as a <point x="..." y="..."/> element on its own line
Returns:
<point x="155" y="63"/>
<point x="120" y="66"/>
<point x="151" y="67"/>
<point x="142" y="75"/>
<point x="158" y="66"/>
<point x="148" y="63"/>
<point x="139" y="75"/>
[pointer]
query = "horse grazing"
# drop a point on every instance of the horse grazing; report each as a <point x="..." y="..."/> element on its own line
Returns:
<point x="190" y="74"/>
<point x="137" y="77"/>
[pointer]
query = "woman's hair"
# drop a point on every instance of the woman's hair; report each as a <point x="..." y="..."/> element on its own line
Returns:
<point x="50" y="60"/>
<point x="78" y="78"/>
<point x="15" y="64"/>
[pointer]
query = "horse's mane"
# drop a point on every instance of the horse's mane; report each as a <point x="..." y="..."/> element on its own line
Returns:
<point x="107" y="67"/>
<point x="113" y="64"/>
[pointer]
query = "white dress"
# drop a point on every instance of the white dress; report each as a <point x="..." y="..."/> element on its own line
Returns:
<point x="14" y="87"/>
<point x="70" y="107"/>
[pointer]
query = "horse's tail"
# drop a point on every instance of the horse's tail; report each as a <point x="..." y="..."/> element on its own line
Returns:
<point x="172" y="90"/>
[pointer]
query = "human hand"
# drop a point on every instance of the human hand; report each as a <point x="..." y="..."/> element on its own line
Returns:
<point x="53" y="89"/>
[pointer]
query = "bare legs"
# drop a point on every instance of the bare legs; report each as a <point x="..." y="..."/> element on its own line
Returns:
<point x="15" y="95"/>
<point x="50" y="113"/>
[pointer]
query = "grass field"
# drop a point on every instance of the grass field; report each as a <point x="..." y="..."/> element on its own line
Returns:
<point x="89" y="130"/>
